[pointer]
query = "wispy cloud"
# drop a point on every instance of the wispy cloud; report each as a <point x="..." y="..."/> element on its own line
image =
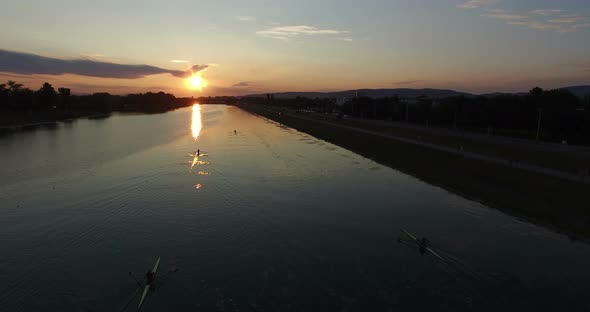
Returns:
<point x="550" y="20"/>
<point x="288" y="32"/>
<point x="553" y="19"/>
<point x="244" y="18"/>
<point x="29" y="64"/>
<point x="474" y="4"/>
<point x="406" y="82"/>
<point x="567" y="19"/>
<point x="546" y="12"/>
<point x="505" y="15"/>
<point x="93" y="55"/>
<point x="344" y="39"/>
<point x="178" y="61"/>
<point x="243" y="84"/>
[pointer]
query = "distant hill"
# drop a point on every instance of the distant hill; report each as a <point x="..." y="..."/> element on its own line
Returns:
<point x="580" y="91"/>
<point x="489" y="95"/>
<point x="374" y="93"/>
<point x="494" y="94"/>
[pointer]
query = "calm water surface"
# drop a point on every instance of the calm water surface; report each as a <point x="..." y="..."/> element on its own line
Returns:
<point x="265" y="219"/>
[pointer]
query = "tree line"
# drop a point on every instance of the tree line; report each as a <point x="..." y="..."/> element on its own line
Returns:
<point x="558" y="115"/>
<point x="15" y="97"/>
<point x="550" y="115"/>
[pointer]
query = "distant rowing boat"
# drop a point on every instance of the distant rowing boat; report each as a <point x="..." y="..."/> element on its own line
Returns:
<point x="149" y="285"/>
<point x="427" y="248"/>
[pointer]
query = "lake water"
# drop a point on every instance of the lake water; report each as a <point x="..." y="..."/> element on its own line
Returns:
<point x="264" y="219"/>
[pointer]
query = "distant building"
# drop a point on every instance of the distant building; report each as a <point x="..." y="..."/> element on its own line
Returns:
<point x="359" y="93"/>
<point x="341" y="101"/>
<point x="410" y="101"/>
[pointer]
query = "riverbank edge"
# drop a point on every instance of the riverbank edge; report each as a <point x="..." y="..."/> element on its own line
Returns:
<point x="563" y="206"/>
<point x="22" y="119"/>
<point x="16" y="120"/>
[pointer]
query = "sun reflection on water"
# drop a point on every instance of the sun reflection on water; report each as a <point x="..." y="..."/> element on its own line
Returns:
<point x="196" y="123"/>
<point x="196" y="126"/>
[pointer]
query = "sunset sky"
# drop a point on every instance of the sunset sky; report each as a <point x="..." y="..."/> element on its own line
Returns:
<point x="254" y="46"/>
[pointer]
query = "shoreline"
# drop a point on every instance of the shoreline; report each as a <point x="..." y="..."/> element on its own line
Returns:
<point x="52" y="122"/>
<point x="561" y="205"/>
<point x="14" y="120"/>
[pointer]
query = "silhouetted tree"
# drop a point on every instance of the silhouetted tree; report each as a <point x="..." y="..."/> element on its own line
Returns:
<point x="536" y="91"/>
<point x="4" y="96"/>
<point x="46" y="96"/>
<point x="564" y="117"/>
<point x="64" y="97"/>
<point x="14" y="96"/>
<point x="14" y="87"/>
<point x="361" y="106"/>
<point x="211" y="100"/>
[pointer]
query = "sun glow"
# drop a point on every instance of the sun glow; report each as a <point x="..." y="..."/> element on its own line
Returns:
<point x="196" y="82"/>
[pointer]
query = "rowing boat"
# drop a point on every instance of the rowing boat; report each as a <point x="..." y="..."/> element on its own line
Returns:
<point x="427" y="248"/>
<point x="148" y="286"/>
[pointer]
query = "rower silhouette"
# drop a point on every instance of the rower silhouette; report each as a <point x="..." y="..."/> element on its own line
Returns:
<point x="150" y="277"/>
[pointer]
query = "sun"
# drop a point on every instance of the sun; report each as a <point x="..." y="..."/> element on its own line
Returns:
<point x="196" y="82"/>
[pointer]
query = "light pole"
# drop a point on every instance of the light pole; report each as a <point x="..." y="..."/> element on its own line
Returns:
<point x="407" y="116"/>
<point x="539" y="123"/>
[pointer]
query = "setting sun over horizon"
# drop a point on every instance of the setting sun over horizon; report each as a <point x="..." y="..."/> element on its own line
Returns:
<point x="471" y="46"/>
<point x="196" y="82"/>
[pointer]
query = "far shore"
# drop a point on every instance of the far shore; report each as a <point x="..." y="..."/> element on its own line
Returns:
<point x="22" y="119"/>
<point x="555" y="202"/>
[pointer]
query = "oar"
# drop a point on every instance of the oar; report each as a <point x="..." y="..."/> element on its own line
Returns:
<point x="134" y="294"/>
<point x="133" y="276"/>
<point x="132" y="297"/>
<point x="436" y="254"/>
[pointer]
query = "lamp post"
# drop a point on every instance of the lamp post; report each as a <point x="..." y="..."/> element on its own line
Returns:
<point x="407" y="116"/>
<point x="539" y="123"/>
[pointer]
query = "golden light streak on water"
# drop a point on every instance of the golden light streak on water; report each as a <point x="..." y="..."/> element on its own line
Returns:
<point x="196" y="124"/>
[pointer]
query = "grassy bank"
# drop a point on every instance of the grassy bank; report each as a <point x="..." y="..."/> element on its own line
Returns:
<point x="555" y="203"/>
<point x="560" y="159"/>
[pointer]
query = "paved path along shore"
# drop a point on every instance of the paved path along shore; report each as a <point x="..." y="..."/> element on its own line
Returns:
<point x="584" y="178"/>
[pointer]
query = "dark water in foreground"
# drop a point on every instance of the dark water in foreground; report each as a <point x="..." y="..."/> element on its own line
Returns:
<point x="269" y="219"/>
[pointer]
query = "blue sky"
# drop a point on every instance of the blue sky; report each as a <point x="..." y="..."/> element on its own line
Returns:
<point x="267" y="46"/>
